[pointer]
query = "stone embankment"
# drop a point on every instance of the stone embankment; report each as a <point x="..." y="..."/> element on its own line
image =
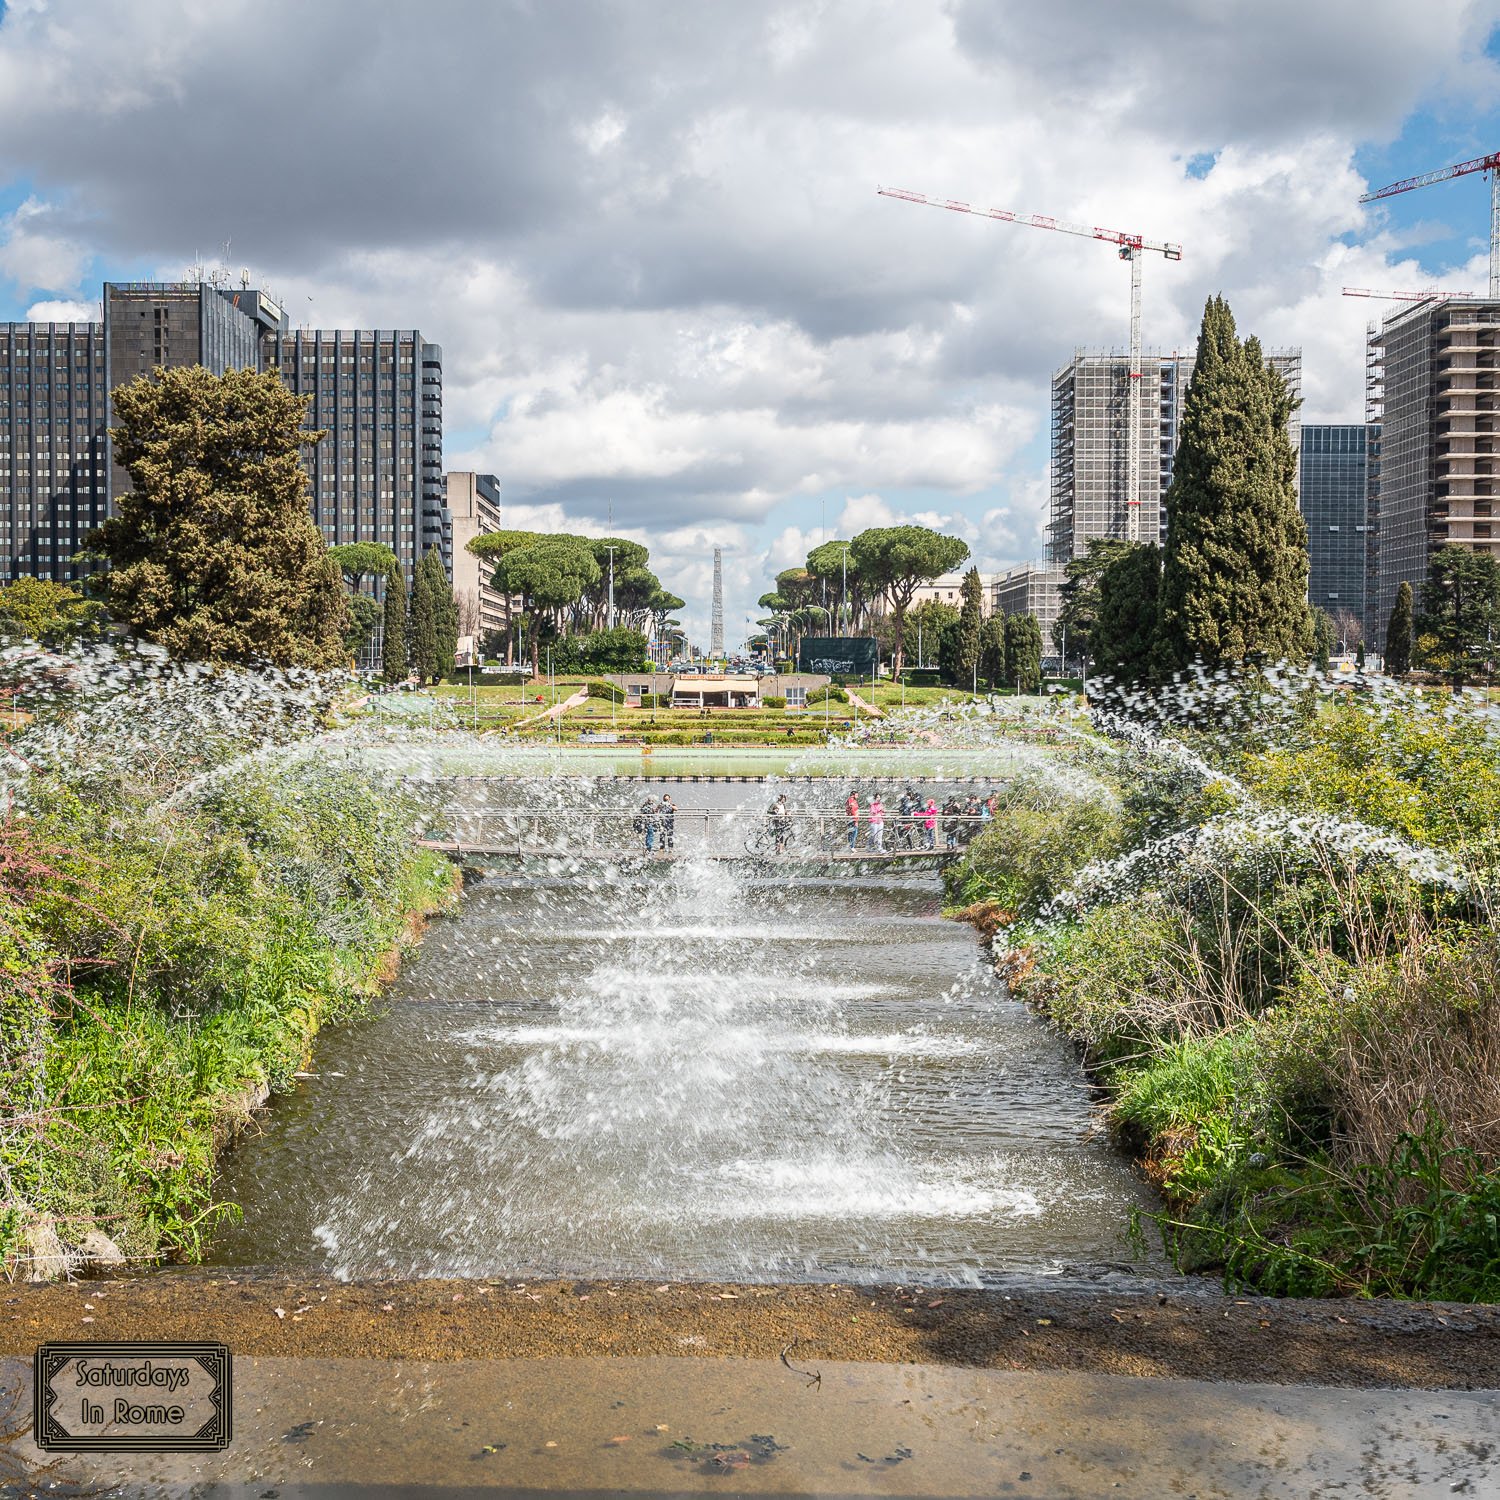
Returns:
<point x="1124" y="1328"/>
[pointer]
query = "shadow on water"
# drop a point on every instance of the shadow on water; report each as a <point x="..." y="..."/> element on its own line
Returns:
<point x="697" y="1069"/>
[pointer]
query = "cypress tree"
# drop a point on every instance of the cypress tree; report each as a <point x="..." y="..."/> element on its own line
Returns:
<point x="423" y="638"/>
<point x="1234" y="569"/>
<point x="1023" y="652"/>
<point x="393" y="647"/>
<point x="970" y="622"/>
<point x="444" y="612"/>
<point x="1398" y="633"/>
<point x="1124" y="635"/>
<point x="992" y="651"/>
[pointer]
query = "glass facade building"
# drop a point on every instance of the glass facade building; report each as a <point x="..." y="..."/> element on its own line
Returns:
<point x="1333" y="485"/>
<point x="377" y="476"/>
<point x="54" y="446"/>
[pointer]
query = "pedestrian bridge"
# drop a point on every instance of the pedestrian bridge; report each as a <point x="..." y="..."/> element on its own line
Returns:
<point x="613" y="835"/>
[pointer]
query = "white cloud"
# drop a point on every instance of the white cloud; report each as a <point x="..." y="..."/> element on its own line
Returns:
<point x="648" y="238"/>
<point x="63" y="312"/>
<point x="34" y="255"/>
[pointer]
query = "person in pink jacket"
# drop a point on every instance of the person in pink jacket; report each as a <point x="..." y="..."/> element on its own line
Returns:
<point x="876" y="821"/>
<point x="929" y="824"/>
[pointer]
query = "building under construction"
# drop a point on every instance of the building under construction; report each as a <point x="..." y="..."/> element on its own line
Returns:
<point x="1090" y="417"/>
<point x="1433" y="404"/>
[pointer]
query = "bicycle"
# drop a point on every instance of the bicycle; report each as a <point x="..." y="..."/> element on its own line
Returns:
<point x="763" y="841"/>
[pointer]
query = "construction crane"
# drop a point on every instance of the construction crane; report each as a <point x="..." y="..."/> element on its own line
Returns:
<point x="1427" y="296"/>
<point x="1131" y="248"/>
<point x="1490" y="164"/>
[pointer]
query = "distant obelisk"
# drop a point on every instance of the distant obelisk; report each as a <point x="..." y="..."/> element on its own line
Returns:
<point x="716" y="623"/>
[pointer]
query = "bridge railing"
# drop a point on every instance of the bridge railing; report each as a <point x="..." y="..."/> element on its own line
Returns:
<point x="719" y="830"/>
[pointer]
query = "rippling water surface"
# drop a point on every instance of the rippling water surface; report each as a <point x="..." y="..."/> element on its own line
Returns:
<point x="703" y="1068"/>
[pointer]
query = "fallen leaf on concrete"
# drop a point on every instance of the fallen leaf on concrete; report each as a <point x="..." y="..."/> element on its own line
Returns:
<point x="280" y="1312"/>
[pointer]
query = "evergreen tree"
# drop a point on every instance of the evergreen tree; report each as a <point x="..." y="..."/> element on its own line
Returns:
<point x="213" y="552"/>
<point x="1398" y="632"/>
<point x="393" y="649"/>
<point x="1023" y="652"/>
<point x="422" y="630"/>
<point x="1079" y="597"/>
<point x="992" y="652"/>
<point x="1325" y="638"/>
<point x="970" y="623"/>
<point x="1460" y="606"/>
<point x="1234" y="569"/>
<point x="446" y="621"/>
<point x="1124" y="636"/>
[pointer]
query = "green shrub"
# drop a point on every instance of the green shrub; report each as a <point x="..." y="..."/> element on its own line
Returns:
<point x="1030" y="852"/>
<point x="773" y="700"/>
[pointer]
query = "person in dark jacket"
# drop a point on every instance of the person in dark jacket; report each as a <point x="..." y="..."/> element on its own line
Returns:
<point x="646" y="822"/>
<point x="668" y="815"/>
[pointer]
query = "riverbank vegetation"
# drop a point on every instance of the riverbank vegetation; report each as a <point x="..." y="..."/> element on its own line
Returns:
<point x="190" y="884"/>
<point x="1269" y="926"/>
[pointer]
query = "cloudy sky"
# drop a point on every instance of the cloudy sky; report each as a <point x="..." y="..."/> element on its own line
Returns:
<point x="647" y="234"/>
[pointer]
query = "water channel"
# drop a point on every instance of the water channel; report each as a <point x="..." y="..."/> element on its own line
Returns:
<point x="700" y="1067"/>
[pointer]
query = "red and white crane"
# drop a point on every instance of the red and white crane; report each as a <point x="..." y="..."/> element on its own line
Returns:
<point x="1131" y="247"/>
<point x="1429" y="295"/>
<point x="1490" y="164"/>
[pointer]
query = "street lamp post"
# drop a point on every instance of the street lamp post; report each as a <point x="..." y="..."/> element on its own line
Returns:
<point x="610" y="617"/>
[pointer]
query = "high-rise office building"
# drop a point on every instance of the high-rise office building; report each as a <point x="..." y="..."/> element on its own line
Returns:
<point x="1433" y="388"/>
<point x="54" y="445"/>
<point x="1332" y="498"/>
<point x="377" y="476"/>
<point x="473" y="503"/>
<point x="1090" y="408"/>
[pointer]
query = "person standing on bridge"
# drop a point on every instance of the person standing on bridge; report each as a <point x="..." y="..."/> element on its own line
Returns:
<point x="668" y="823"/>
<point x="851" y="808"/>
<point x="929" y="824"/>
<point x="877" y="824"/>
<point x="646" y="823"/>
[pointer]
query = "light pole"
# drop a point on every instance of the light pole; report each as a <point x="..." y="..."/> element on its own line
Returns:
<point x="844" y="596"/>
<point x="610" y="618"/>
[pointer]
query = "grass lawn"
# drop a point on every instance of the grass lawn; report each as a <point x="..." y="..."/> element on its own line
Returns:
<point x="491" y="707"/>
